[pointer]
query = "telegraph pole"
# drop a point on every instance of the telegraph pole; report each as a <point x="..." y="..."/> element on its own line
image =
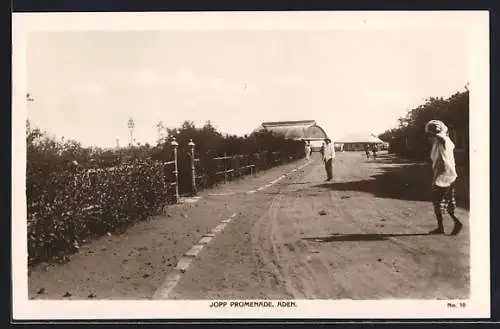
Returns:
<point x="131" y="126"/>
<point x="161" y="132"/>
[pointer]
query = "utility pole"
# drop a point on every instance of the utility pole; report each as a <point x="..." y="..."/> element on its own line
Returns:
<point x="131" y="126"/>
<point x="29" y="99"/>
<point x="161" y="132"/>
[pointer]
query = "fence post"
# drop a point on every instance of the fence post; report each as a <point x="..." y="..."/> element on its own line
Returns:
<point x="193" y="170"/>
<point x="237" y="169"/>
<point x="249" y="162"/>
<point x="224" y="161"/>
<point x="174" y="145"/>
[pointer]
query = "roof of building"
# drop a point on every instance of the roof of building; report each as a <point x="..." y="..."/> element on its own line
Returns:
<point x="304" y="129"/>
<point x="360" y="138"/>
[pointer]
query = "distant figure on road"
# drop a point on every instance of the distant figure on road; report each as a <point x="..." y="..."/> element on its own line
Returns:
<point x="328" y="156"/>
<point x="374" y="152"/>
<point x="367" y="151"/>
<point x="307" y="150"/>
<point x="444" y="175"/>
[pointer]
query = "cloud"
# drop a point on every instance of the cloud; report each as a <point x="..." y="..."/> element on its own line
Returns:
<point x="220" y="85"/>
<point x="292" y="80"/>
<point x="185" y="76"/>
<point x="150" y="77"/>
<point x="87" y="88"/>
<point x="392" y="96"/>
<point x="146" y="77"/>
<point x="186" y="80"/>
<point x="216" y="83"/>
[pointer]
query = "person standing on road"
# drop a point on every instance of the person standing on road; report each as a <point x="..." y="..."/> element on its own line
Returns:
<point x="328" y="156"/>
<point x="367" y="151"/>
<point x="374" y="151"/>
<point x="307" y="150"/>
<point x="444" y="175"/>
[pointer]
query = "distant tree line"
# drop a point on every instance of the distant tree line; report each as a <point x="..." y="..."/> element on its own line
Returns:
<point x="409" y="138"/>
<point x="209" y="142"/>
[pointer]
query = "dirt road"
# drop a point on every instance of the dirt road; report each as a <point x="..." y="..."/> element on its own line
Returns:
<point x="361" y="236"/>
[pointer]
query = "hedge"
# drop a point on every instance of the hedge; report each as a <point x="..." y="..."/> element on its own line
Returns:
<point x="87" y="203"/>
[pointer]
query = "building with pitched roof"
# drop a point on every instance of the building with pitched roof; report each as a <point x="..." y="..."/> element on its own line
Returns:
<point x="305" y="130"/>
<point x="358" y="142"/>
<point x="299" y="130"/>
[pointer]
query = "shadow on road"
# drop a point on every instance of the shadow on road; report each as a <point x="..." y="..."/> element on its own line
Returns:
<point x="404" y="180"/>
<point x="386" y="158"/>
<point x="360" y="237"/>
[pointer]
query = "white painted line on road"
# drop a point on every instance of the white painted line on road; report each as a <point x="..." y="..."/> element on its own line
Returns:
<point x="218" y="228"/>
<point x="167" y="286"/>
<point x="185" y="262"/>
<point x="206" y="239"/>
<point x="276" y="180"/>
<point x="279" y="178"/>
<point x="221" y="194"/>
<point x="194" y="251"/>
<point x="189" y="199"/>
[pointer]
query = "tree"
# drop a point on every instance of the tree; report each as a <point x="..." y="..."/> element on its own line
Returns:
<point x="131" y="126"/>
<point x="409" y="137"/>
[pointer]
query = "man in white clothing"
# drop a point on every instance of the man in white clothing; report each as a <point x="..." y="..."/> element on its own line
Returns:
<point x="307" y="150"/>
<point x="444" y="175"/>
<point x="328" y="156"/>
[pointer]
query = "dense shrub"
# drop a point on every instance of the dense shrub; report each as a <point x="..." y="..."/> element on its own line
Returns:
<point x="86" y="203"/>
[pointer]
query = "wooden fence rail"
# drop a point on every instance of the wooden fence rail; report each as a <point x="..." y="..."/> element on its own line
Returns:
<point x="205" y="171"/>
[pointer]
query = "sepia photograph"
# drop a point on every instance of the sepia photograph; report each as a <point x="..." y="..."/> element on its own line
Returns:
<point x="251" y="165"/>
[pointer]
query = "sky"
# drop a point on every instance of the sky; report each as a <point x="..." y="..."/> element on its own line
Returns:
<point x="87" y="84"/>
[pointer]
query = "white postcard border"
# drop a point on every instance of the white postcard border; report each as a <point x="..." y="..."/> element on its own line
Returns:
<point x="474" y="23"/>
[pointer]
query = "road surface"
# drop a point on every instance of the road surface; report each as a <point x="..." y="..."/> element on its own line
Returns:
<point x="282" y="234"/>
